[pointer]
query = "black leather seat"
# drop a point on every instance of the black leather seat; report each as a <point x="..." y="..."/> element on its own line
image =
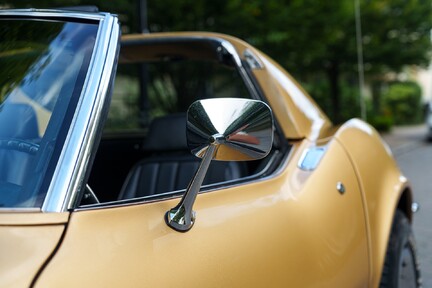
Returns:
<point x="171" y="166"/>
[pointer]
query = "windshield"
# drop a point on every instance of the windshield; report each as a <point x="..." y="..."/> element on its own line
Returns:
<point x="43" y="65"/>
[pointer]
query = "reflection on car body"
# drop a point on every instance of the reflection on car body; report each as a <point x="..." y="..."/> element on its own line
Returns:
<point x="98" y="180"/>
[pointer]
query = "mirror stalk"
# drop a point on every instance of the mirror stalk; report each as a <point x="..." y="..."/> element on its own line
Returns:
<point x="181" y="218"/>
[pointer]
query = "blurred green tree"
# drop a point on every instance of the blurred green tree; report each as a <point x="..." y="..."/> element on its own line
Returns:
<point x="314" y="40"/>
<point x="397" y="33"/>
<point x="402" y="102"/>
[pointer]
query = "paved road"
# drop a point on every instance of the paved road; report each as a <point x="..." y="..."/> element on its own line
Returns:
<point x="414" y="156"/>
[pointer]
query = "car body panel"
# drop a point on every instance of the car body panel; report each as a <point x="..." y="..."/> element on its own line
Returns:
<point x="28" y="217"/>
<point x="295" y="227"/>
<point x="265" y="233"/>
<point x="27" y="240"/>
<point x="382" y="185"/>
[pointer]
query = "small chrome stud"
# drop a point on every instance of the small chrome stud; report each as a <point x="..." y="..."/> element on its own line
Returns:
<point x="340" y="187"/>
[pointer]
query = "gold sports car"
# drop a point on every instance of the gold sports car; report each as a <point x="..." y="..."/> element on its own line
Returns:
<point x="183" y="160"/>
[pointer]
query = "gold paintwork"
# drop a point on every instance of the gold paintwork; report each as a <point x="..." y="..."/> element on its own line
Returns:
<point x="382" y="184"/>
<point x="29" y="217"/>
<point x="291" y="229"/>
<point x="264" y="234"/>
<point x="27" y="239"/>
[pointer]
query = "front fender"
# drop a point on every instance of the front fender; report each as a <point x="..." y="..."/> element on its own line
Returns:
<point x="382" y="185"/>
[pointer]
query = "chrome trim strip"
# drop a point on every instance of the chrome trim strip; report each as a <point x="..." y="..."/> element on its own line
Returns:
<point x="243" y="74"/>
<point x="49" y="13"/>
<point x="252" y="60"/>
<point x="71" y="166"/>
<point x="231" y="49"/>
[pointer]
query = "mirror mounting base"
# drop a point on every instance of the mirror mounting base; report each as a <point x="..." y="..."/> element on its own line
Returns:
<point x="181" y="218"/>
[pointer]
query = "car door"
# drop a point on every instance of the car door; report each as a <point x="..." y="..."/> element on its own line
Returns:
<point x="295" y="226"/>
<point x="292" y="228"/>
<point x="45" y="58"/>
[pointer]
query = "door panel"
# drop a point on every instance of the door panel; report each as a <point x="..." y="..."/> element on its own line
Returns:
<point x="26" y="241"/>
<point x="294" y="229"/>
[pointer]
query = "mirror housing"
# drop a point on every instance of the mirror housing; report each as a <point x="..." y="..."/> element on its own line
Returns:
<point x="222" y="129"/>
<point x="241" y="128"/>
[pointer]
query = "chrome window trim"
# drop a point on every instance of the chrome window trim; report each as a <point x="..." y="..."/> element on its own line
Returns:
<point x="70" y="170"/>
<point x="252" y="60"/>
<point x="242" y="71"/>
<point x="177" y="194"/>
<point x="49" y="13"/>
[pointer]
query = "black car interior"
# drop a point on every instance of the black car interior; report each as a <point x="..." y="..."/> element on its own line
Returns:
<point x="143" y="151"/>
<point x="170" y="165"/>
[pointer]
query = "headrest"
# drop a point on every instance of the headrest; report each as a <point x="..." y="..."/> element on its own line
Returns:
<point x="167" y="133"/>
<point x="18" y="121"/>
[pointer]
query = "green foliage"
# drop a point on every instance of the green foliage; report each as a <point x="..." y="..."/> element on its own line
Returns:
<point x="350" y="100"/>
<point x="303" y="35"/>
<point x="382" y="123"/>
<point x="21" y="46"/>
<point x="314" y="40"/>
<point x="319" y="89"/>
<point x="402" y="102"/>
<point x="124" y="111"/>
<point x="396" y="33"/>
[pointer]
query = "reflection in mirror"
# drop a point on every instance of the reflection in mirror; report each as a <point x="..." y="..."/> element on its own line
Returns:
<point x="241" y="128"/>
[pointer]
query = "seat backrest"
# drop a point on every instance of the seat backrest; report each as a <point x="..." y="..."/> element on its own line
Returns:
<point x="170" y="165"/>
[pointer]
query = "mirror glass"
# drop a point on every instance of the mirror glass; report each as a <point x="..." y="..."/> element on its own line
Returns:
<point x="241" y="129"/>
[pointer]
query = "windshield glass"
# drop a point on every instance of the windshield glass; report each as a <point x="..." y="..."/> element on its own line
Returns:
<point x="43" y="65"/>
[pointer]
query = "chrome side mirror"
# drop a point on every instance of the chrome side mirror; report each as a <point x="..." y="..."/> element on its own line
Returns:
<point x="224" y="129"/>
